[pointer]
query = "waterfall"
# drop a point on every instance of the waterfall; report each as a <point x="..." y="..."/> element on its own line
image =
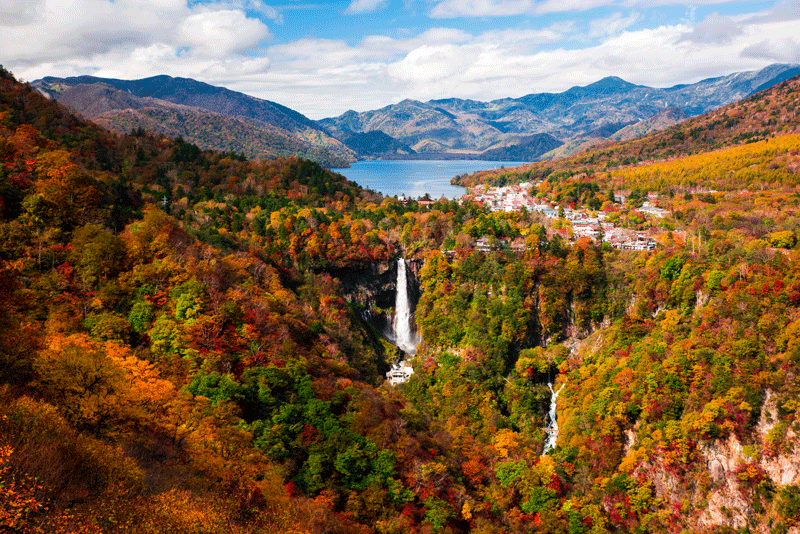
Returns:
<point x="404" y="336"/>
<point x="552" y="427"/>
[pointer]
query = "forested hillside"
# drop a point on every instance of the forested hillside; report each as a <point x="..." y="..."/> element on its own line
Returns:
<point x="211" y="117"/>
<point x="180" y="351"/>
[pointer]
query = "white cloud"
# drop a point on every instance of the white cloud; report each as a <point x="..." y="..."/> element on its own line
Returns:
<point x="266" y="10"/>
<point x="527" y="39"/>
<point x="570" y="6"/>
<point x="83" y="31"/>
<point x="312" y="54"/>
<point x="481" y="8"/>
<point x="786" y="10"/>
<point x="612" y="24"/>
<point x="16" y="12"/>
<point x="219" y="33"/>
<point x="430" y="63"/>
<point x="320" y="53"/>
<point x="441" y="36"/>
<point x="65" y="29"/>
<point x="508" y="8"/>
<point x="785" y="50"/>
<point x="715" y="29"/>
<point x="358" y="7"/>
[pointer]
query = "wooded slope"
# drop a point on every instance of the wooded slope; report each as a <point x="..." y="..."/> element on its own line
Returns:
<point x="177" y="356"/>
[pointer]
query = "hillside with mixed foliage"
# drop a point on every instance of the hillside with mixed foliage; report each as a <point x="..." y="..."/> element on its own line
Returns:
<point x="177" y="354"/>
<point x="211" y="117"/>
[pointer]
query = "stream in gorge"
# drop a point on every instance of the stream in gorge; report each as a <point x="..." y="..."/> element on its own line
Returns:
<point x="552" y="426"/>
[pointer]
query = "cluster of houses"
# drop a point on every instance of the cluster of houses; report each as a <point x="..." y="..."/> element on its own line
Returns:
<point x="582" y="223"/>
<point x="509" y="198"/>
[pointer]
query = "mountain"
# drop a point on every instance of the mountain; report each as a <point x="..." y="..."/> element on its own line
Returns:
<point x="661" y="120"/>
<point x="193" y="93"/>
<point x="617" y="132"/>
<point x="425" y="127"/>
<point x="188" y="342"/>
<point x="528" y="149"/>
<point x="760" y="116"/>
<point x="375" y="144"/>
<point x="211" y="117"/>
<point x="576" y="115"/>
<point x="221" y="119"/>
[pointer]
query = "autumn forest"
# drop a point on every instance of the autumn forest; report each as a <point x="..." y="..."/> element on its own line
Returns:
<point x="180" y="351"/>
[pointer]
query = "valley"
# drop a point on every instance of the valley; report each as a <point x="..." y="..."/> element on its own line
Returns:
<point x="195" y="342"/>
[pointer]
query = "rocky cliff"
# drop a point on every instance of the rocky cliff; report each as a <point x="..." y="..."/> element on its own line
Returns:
<point x="738" y="481"/>
<point x="374" y="289"/>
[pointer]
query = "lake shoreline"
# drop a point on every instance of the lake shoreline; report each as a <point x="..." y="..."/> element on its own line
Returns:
<point x="416" y="178"/>
<point x="437" y="156"/>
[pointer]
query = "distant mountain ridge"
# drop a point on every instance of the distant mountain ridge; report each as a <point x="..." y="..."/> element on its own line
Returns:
<point x="531" y="127"/>
<point x="761" y="116"/>
<point x="189" y="92"/>
<point x="209" y="116"/>
<point x="575" y="115"/>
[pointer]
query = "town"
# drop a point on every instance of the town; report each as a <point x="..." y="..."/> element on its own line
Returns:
<point x="569" y="223"/>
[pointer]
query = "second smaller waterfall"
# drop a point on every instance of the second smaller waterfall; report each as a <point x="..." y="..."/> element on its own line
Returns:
<point x="552" y="423"/>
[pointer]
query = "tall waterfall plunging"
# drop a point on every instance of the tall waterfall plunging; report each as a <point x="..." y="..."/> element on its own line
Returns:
<point x="552" y="427"/>
<point x="403" y="333"/>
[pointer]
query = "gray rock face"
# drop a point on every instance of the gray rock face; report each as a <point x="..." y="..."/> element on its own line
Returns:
<point x="726" y="502"/>
<point x="374" y="287"/>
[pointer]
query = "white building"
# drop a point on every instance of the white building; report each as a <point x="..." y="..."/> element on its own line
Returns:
<point x="399" y="373"/>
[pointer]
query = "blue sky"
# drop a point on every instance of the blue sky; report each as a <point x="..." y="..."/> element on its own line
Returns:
<point x="324" y="58"/>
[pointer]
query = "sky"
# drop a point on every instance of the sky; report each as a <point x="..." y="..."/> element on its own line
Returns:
<point x="325" y="58"/>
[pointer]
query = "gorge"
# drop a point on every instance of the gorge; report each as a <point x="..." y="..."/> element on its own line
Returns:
<point x="216" y="363"/>
<point x="552" y="422"/>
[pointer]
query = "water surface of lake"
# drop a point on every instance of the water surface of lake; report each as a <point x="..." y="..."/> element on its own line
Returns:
<point x="415" y="178"/>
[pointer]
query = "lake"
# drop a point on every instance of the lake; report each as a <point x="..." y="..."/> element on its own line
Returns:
<point x="415" y="178"/>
